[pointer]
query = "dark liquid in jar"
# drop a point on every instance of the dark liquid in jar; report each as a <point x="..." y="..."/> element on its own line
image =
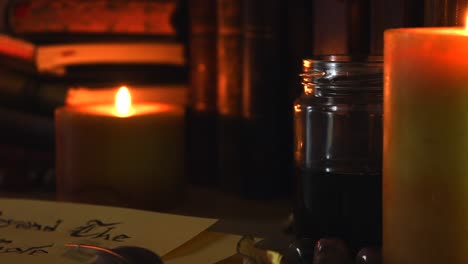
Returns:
<point x="344" y="206"/>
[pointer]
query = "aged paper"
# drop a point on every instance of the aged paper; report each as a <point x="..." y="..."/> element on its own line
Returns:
<point x="37" y="231"/>
<point x="207" y="247"/>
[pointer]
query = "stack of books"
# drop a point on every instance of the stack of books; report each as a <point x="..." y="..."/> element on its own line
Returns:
<point x="46" y="51"/>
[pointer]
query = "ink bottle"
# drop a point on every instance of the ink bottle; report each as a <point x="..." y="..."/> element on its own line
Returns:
<point x="338" y="151"/>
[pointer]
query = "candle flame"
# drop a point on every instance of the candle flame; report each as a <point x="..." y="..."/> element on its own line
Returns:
<point x="123" y="102"/>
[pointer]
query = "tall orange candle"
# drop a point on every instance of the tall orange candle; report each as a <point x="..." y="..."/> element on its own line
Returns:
<point x="124" y="154"/>
<point x="425" y="169"/>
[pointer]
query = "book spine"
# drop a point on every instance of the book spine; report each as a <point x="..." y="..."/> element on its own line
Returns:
<point x="17" y="54"/>
<point x="261" y="58"/>
<point x="395" y="14"/>
<point x="56" y="58"/>
<point x="229" y="57"/>
<point x="229" y="102"/>
<point x="144" y="17"/>
<point x="203" y="55"/>
<point x="26" y="129"/>
<point x="201" y="141"/>
<point x="265" y="102"/>
<point x="26" y="151"/>
<point x="341" y="27"/>
<point x="330" y="32"/>
<point x="445" y="13"/>
<point x="27" y="93"/>
<point x="26" y="169"/>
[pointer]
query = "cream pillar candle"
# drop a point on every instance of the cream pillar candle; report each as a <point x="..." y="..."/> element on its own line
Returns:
<point x="425" y="169"/>
<point x="120" y="155"/>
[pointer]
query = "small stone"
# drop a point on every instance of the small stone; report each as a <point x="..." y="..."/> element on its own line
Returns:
<point x="130" y="255"/>
<point x="331" y="251"/>
<point x="370" y="255"/>
<point x="300" y="251"/>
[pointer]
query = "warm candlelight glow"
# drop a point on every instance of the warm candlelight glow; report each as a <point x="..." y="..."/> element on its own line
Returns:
<point x="423" y="125"/>
<point x="125" y="143"/>
<point x="123" y="103"/>
<point x="466" y="23"/>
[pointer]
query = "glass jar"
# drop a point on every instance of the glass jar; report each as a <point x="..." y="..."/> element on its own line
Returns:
<point x="338" y="150"/>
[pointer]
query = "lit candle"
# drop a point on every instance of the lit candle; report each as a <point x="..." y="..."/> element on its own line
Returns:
<point x="425" y="169"/>
<point x="124" y="154"/>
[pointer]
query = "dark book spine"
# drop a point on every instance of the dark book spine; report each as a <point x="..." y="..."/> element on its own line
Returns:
<point x="341" y="27"/>
<point x="265" y="102"/>
<point x="203" y="55"/>
<point x="26" y="151"/>
<point x="230" y="50"/>
<point x="202" y="150"/>
<point x="229" y="102"/>
<point x="26" y="169"/>
<point x="297" y="41"/>
<point x="393" y="14"/>
<point x="330" y="27"/>
<point x="444" y="12"/>
<point x="26" y="129"/>
<point x="261" y="58"/>
<point x="27" y="93"/>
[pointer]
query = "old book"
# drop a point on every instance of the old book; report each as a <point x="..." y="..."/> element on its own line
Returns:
<point x="56" y="58"/>
<point x="229" y="57"/>
<point x="398" y="14"/>
<point x="229" y="93"/>
<point x="25" y="168"/>
<point x="98" y="17"/>
<point x="202" y="52"/>
<point x="25" y="129"/>
<point x="341" y="27"/>
<point x="37" y="77"/>
<point x="439" y="13"/>
<point x="265" y="159"/>
<point x="202" y="114"/>
<point x="27" y="92"/>
<point x="17" y="54"/>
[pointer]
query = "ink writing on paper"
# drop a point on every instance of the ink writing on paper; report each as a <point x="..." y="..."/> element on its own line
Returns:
<point x="98" y="229"/>
<point x="27" y="224"/>
<point x="7" y="247"/>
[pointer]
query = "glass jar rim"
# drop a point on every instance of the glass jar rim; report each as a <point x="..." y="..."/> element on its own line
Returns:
<point x="333" y="61"/>
<point x="344" y="58"/>
<point x="342" y="72"/>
